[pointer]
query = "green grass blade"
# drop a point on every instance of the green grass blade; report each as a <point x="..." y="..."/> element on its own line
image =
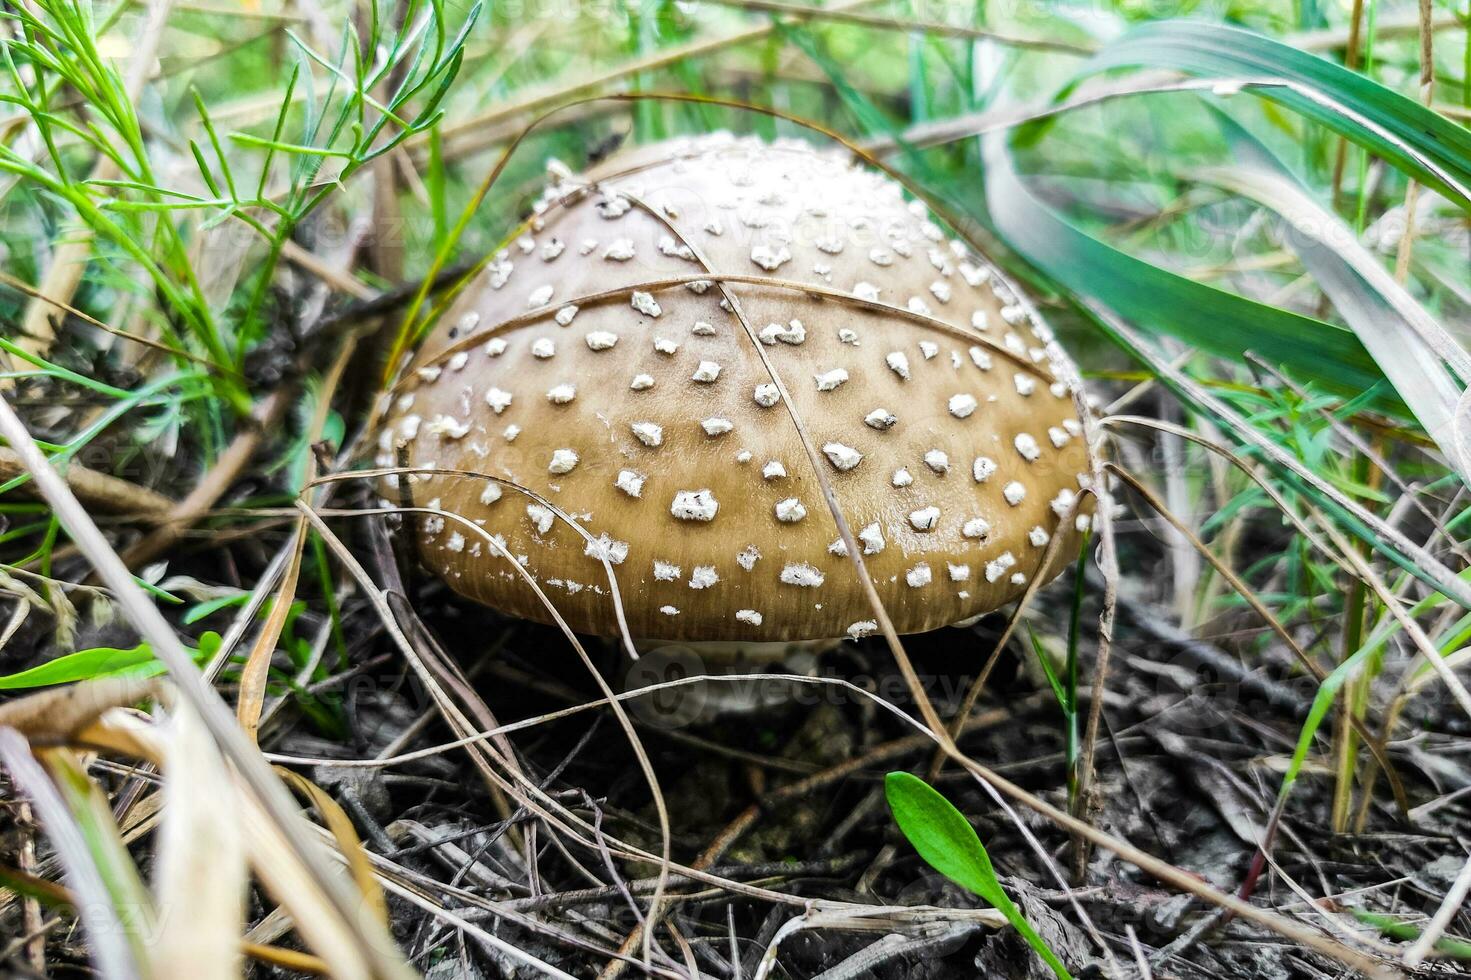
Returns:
<point x="1163" y="303"/>
<point x="1415" y="139"/>
<point x="138" y="661"/>
<point x="1385" y="537"/>
<point x="1452" y="946"/>
<point x="1411" y="348"/>
<point x="1045" y="660"/>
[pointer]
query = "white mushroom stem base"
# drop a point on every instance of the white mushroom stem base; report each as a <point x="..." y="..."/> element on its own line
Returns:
<point x="737" y="655"/>
<point x="744" y="686"/>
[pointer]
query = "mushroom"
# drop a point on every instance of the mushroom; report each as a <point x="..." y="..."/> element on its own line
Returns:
<point x="615" y="369"/>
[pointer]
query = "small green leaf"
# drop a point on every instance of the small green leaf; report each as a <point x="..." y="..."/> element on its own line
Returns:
<point x="97" y="662"/>
<point x="948" y="843"/>
<point x="83" y="665"/>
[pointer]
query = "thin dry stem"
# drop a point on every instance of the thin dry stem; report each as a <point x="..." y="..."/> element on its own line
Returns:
<point x="458" y="718"/>
<point x="1427" y="96"/>
<point x="973" y="693"/>
<point x="803" y="12"/>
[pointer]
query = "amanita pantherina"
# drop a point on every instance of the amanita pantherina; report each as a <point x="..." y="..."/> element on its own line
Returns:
<point x="594" y="364"/>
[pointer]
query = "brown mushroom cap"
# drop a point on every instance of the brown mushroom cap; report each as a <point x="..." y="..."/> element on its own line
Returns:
<point x="942" y="406"/>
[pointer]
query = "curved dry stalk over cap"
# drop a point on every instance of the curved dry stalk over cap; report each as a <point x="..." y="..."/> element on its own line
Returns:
<point x="591" y="363"/>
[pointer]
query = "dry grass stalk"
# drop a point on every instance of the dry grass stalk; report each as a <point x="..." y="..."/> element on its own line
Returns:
<point x="106" y="494"/>
<point x="273" y="816"/>
<point x="936" y="28"/>
<point x="200" y="875"/>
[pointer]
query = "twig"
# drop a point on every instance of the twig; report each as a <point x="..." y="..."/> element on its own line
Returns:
<point x="804" y="788"/>
<point x="1413" y="630"/>
<point x="1425" y="565"/>
<point x="640" y="886"/>
<point x="1108" y="566"/>
<point x="35" y="946"/>
<point x="1034" y="585"/>
<point x="342" y="281"/>
<point x="1276" y="625"/>
<point x="1332" y="38"/>
<point x="99" y="491"/>
<point x="1407" y="493"/>
<point x="21" y="286"/>
<point x="389" y="300"/>
<point x="110" y="947"/>
<point x="480" y="936"/>
<point x="1351" y="62"/>
<point x="551" y="94"/>
<point x="452" y="711"/>
<point x="870" y="960"/>
<point x="1154" y="624"/>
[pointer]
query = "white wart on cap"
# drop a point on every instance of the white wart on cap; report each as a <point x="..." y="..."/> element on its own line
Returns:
<point x="941" y="408"/>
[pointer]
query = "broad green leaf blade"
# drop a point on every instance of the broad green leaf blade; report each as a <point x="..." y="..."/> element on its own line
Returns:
<point x="1415" y="139"/>
<point x="948" y="843"/>
<point x="1163" y="303"/>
